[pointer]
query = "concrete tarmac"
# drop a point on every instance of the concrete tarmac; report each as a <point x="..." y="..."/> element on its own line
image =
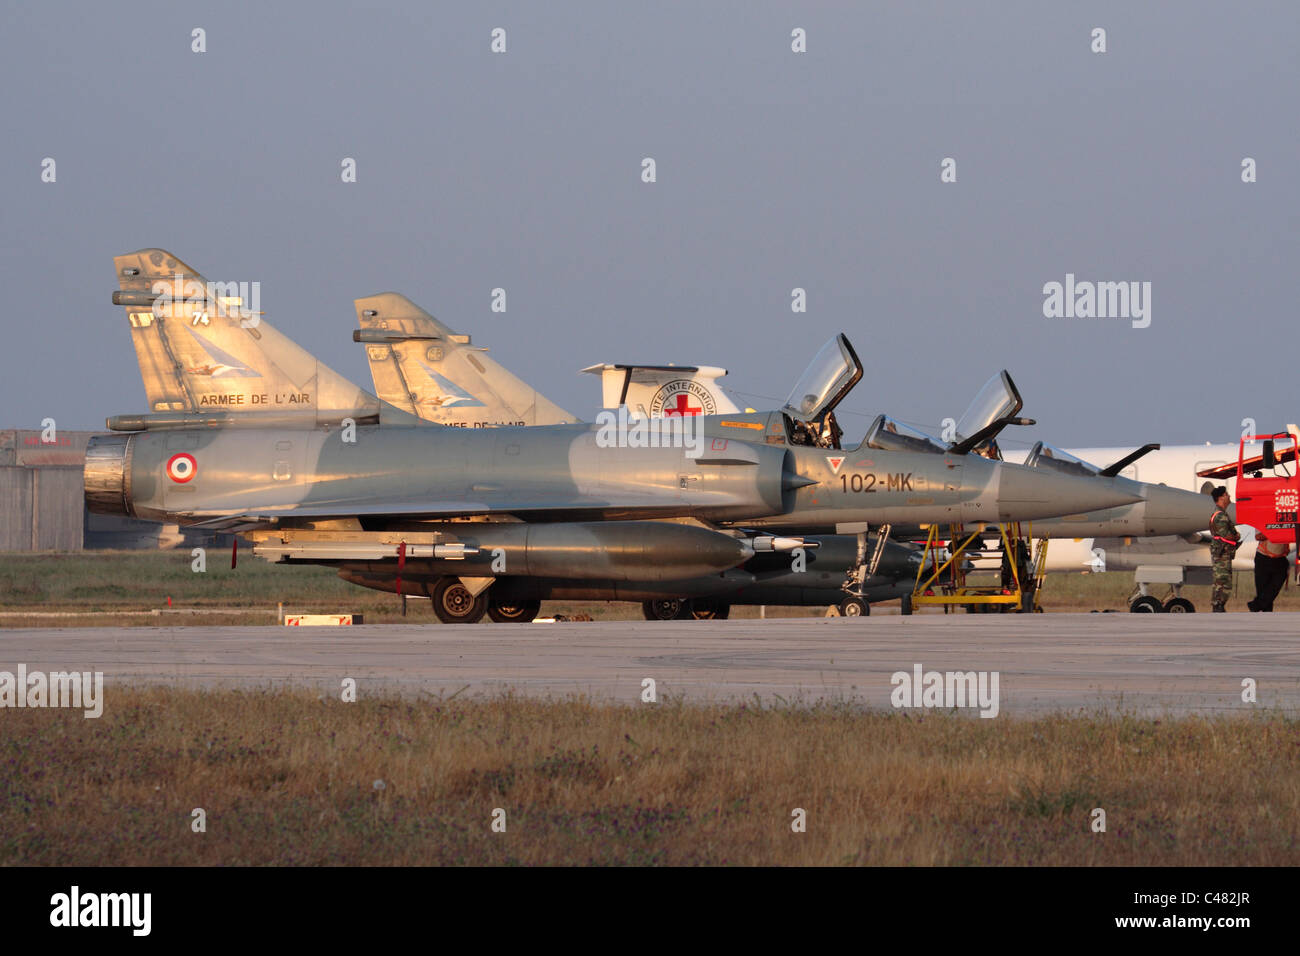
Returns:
<point x="1132" y="663"/>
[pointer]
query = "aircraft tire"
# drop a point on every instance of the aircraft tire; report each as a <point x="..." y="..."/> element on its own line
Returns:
<point x="522" y="613"/>
<point x="665" y="609"/>
<point x="1179" y="605"/>
<point x="1147" y="605"/>
<point x="906" y="604"/>
<point x="854" y="607"/>
<point x="453" y="603"/>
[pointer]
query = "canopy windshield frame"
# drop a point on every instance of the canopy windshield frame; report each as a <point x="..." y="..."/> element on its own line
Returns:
<point x="829" y="377"/>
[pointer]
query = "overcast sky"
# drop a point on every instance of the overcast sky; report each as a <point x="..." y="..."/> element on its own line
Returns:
<point x="775" y="170"/>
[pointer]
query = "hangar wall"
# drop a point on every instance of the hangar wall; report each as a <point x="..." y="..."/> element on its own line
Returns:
<point x="42" y="503"/>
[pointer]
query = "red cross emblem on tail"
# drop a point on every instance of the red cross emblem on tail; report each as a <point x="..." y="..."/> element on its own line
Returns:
<point x="682" y="406"/>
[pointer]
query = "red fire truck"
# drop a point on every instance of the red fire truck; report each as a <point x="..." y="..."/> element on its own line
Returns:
<point x="1268" y="488"/>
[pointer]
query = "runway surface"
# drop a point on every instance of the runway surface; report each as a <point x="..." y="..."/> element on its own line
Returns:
<point x="1120" y="662"/>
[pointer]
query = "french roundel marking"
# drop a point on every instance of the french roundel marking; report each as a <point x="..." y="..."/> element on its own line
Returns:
<point x="181" y="467"/>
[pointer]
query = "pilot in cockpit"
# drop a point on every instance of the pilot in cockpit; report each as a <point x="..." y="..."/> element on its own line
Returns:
<point x="824" y="432"/>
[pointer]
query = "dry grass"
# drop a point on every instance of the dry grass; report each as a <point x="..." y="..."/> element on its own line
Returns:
<point x="290" y="779"/>
<point x="122" y="587"/>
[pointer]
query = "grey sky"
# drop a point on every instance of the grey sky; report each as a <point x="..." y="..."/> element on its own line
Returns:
<point x="775" y="170"/>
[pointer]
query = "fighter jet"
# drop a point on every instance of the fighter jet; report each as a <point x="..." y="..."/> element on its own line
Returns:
<point x="316" y="469"/>
<point x="1154" y="510"/>
<point x="1171" y="560"/>
<point x="659" y="390"/>
<point x="421" y="357"/>
<point x="1168" y="520"/>
<point x="1169" y="476"/>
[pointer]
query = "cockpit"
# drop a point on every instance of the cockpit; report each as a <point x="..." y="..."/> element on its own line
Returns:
<point x="809" y="411"/>
<point x="995" y="406"/>
<point x="1043" y="455"/>
<point x="890" y="435"/>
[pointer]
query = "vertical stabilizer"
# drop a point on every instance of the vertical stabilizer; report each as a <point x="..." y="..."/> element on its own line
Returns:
<point x="653" y="391"/>
<point x="422" y="367"/>
<point x="203" y="348"/>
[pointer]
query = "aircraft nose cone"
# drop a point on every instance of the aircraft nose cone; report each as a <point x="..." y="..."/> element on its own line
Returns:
<point x="1027" y="493"/>
<point x="1174" y="511"/>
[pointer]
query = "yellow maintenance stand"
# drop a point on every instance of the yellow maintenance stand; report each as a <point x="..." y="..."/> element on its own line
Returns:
<point x="942" y="582"/>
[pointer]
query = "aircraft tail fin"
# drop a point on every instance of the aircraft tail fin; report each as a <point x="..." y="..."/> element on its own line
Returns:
<point x="653" y="391"/>
<point x="424" y="368"/>
<point x="203" y="349"/>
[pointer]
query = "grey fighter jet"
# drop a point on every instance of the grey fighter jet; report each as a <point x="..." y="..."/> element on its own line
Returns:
<point x="1154" y="509"/>
<point x="315" y="469"/>
<point x="1160" y="510"/>
<point x="415" y="359"/>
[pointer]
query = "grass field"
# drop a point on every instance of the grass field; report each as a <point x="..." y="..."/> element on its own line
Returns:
<point x="123" y="587"/>
<point x="294" y="778"/>
<point x="291" y="778"/>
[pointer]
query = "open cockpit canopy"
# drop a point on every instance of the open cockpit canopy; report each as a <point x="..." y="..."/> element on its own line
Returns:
<point x="889" y="435"/>
<point x="809" y="411"/>
<point x="993" y="408"/>
<point x="830" y="376"/>
<point x="1049" y="457"/>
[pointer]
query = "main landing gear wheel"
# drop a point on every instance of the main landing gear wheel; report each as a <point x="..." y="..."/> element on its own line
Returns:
<point x="453" y="603"/>
<point x="1179" y="606"/>
<point x="521" y="613"/>
<point x="665" y="609"/>
<point x="710" y="610"/>
<point x="1146" y="605"/>
<point x="854" y="607"/>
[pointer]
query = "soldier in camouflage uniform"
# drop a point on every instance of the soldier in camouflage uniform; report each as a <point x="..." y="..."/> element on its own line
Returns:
<point x="1223" y="548"/>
